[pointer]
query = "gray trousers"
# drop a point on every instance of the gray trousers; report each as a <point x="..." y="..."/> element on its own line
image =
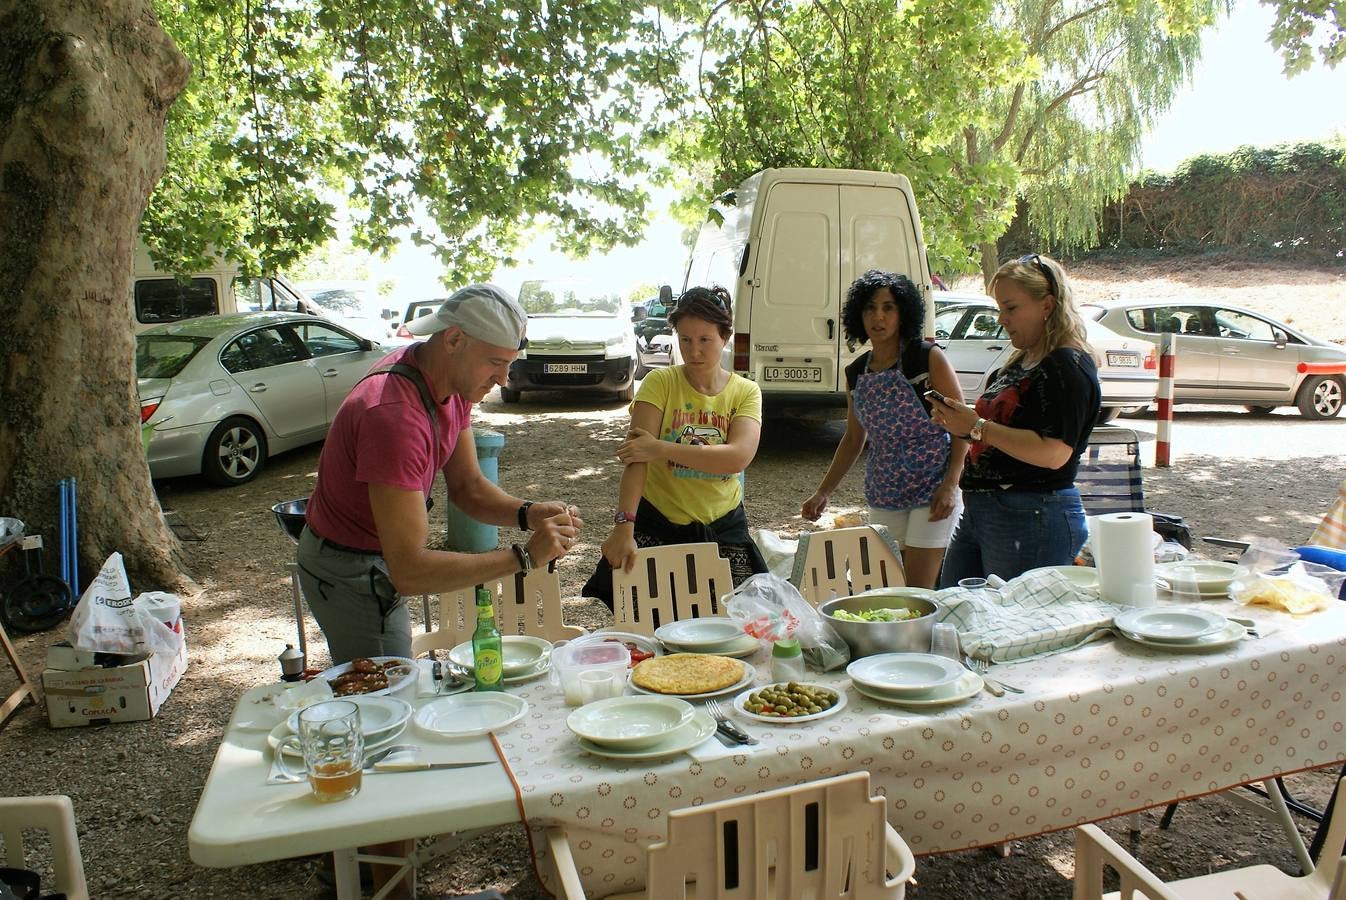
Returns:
<point x="353" y="600"/>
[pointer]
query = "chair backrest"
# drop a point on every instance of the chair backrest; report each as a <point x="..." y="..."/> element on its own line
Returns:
<point x="55" y="815"/>
<point x="822" y="839"/>
<point x="1331" y="531"/>
<point x="846" y="561"/>
<point x="668" y="583"/>
<point x="1109" y="477"/>
<point x="524" y="604"/>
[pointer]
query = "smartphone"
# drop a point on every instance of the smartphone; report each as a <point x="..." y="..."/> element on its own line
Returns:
<point x="932" y="395"/>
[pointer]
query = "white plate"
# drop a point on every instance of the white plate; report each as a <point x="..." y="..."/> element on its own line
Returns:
<point x="742" y="699"/>
<point x="282" y="731"/>
<point x="466" y="715"/>
<point x="1170" y="624"/>
<point x="694" y="732"/>
<point x="1198" y="574"/>
<point x="749" y="673"/>
<point x="745" y="645"/>
<point x="1230" y="635"/>
<point x="522" y="654"/>
<point x="904" y="674"/>
<point x="630" y="723"/>
<point x="705" y="633"/>
<point x="332" y="673"/>
<point x="968" y="685"/>
<point x="377" y="715"/>
<point x="1085" y="577"/>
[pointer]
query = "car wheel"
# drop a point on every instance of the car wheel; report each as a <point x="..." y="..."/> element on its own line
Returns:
<point x="1258" y="410"/>
<point x="628" y="393"/>
<point x="641" y="369"/>
<point x="1135" y="411"/>
<point x="1320" y="397"/>
<point x="508" y="395"/>
<point x="235" y="452"/>
<point x="1106" y="414"/>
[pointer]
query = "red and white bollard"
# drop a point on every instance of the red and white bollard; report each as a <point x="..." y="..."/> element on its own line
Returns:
<point x="1164" y="398"/>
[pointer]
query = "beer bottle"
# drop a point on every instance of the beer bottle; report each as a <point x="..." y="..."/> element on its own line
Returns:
<point x="487" y="660"/>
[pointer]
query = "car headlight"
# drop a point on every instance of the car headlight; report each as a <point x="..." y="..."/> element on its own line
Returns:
<point x="619" y="345"/>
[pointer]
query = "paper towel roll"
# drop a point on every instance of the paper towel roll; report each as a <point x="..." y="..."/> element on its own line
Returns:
<point x="1124" y="554"/>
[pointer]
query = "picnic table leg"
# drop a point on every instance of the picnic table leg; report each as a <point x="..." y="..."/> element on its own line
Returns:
<point x="346" y="874"/>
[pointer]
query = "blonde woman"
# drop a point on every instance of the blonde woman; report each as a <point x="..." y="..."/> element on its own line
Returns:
<point x="1021" y="509"/>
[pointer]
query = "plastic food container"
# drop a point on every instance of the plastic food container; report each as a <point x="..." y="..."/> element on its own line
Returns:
<point x="586" y="654"/>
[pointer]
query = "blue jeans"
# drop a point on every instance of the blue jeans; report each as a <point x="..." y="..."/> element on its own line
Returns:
<point x="1009" y="532"/>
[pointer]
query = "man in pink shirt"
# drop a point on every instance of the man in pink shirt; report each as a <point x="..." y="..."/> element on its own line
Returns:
<point x="364" y="547"/>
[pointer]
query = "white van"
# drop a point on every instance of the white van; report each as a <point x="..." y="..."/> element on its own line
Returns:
<point x="787" y="243"/>
<point x="158" y="297"/>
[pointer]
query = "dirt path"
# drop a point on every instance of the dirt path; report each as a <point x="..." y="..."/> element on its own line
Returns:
<point x="135" y="786"/>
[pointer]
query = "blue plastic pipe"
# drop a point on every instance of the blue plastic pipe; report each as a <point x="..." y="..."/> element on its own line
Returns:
<point x="74" y="545"/>
<point x="65" y="530"/>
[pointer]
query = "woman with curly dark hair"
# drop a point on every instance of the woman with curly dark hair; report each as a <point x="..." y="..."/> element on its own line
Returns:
<point x="911" y="475"/>
<point x="694" y="429"/>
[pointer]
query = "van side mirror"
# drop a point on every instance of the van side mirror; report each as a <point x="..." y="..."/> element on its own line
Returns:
<point x="665" y="295"/>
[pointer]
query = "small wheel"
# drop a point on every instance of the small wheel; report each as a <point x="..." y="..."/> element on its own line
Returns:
<point x="1258" y="410"/>
<point x="1320" y="397"/>
<point x="235" y="452"/>
<point x="36" y="603"/>
<point x="508" y="395"/>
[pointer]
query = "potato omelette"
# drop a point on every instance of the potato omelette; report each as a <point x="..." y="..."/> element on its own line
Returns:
<point x="687" y="673"/>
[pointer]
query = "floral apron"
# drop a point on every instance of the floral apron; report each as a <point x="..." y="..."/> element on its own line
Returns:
<point x="908" y="453"/>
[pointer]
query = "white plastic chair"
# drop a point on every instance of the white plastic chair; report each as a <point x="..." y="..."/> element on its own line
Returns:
<point x="528" y="604"/>
<point x="846" y="561"/>
<point x="55" y="815"/>
<point x="668" y="583"/>
<point x="815" y="841"/>
<point x="1094" y="849"/>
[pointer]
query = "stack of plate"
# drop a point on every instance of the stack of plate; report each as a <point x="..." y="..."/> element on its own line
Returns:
<point x="643" y="727"/>
<point x="1207" y="579"/>
<point x="719" y="635"/>
<point x="382" y="719"/>
<point x="913" y="679"/>
<point x="525" y="656"/>
<point x="1178" y="629"/>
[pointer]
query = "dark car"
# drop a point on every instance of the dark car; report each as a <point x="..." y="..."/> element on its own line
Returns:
<point x="654" y="336"/>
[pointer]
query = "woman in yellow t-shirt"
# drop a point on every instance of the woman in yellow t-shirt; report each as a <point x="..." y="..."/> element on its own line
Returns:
<point x="694" y="429"/>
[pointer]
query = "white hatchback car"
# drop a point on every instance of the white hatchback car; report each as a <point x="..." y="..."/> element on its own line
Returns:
<point x="967" y="326"/>
<point x="219" y="394"/>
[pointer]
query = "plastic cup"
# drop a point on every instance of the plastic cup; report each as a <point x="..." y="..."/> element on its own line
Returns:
<point x="598" y="684"/>
<point x="944" y="640"/>
<point x="972" y="584"/>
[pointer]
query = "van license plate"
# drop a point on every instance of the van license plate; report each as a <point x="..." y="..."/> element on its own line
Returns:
<point x="1131" y="360"/>
<point x="565" y="368"/>
<point x="792" y="373"/>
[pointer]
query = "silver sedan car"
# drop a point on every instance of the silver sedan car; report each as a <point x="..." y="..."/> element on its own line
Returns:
<point x="219" y="394"/>
<point x="1230" y="355"/>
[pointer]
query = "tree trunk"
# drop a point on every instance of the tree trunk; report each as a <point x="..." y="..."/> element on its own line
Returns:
<point x="990" y="261"/>
<point x="84" y="89"/>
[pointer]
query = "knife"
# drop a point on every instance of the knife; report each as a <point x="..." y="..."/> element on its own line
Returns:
<point x="414" y="766"/>
<point x="734" y="733"/>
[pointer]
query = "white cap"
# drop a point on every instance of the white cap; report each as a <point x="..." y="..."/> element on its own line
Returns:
<point x="483" y="311"/>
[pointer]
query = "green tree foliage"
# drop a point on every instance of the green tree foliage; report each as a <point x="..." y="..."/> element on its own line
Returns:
<point x="974" y="101"/>
<point x="477" y="116"/>
<point x="1305" y="25"/>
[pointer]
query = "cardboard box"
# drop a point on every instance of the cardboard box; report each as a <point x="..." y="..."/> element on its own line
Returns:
<point x="128" y="693"/>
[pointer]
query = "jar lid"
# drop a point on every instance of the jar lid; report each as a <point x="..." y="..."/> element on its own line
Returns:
<point x="786" y="648"/>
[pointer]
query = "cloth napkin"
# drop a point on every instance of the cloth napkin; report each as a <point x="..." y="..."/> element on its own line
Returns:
<point x="1036" y="614"/>
<point x="713" y="748"/>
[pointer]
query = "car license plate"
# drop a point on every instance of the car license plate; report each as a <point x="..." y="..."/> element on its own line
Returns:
<point x="565" y="368"/>
<point x="792" y="373"/>
<point x="1131" y="360"/>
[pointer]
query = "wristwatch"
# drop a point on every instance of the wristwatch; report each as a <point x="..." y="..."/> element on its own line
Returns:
<point x="979" y="426"/>
<point x="523" y="515"/>
<point x="621" y="517"/>
<point x="524" y="558"/>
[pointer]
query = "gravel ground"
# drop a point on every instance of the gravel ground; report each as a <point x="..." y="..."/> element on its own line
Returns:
<point x="135" y="786"/>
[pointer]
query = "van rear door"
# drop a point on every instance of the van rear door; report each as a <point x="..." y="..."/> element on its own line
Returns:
<point x="796" y="325"/>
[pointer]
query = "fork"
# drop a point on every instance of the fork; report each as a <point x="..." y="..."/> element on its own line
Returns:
<point x="383" y="753"/>
<point x="981" y="666"/>
<point x="725" y="726"/>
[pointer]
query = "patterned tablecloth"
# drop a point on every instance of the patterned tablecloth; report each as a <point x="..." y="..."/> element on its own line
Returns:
<point x="1099" y="732"/>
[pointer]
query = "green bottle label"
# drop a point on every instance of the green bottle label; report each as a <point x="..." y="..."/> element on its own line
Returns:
<point x="489" y="668"/>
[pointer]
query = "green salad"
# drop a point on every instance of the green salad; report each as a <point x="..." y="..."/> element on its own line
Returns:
<point x="876" y="615"/>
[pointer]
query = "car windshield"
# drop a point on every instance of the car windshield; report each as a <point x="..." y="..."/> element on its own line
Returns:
<point x="346" y="302"/>
<point x="165" y="355"/>
<point x="547" y="298"/>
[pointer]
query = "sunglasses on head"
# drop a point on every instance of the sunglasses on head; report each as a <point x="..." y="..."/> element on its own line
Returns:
<point x="687" y="298"/>
<point x="1033" y="259"/>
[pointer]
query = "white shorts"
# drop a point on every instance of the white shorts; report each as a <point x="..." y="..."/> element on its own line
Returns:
<point x="913" y="528"/>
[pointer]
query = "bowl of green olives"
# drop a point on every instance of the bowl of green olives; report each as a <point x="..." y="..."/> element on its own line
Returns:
<point x="786" y="702"/>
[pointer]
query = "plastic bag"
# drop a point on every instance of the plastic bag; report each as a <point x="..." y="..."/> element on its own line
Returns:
<point x="107" y="620"/>
<point x="1274" y="575"/>
<point x="777" y="551"/>
<point x="770" y="608"/>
